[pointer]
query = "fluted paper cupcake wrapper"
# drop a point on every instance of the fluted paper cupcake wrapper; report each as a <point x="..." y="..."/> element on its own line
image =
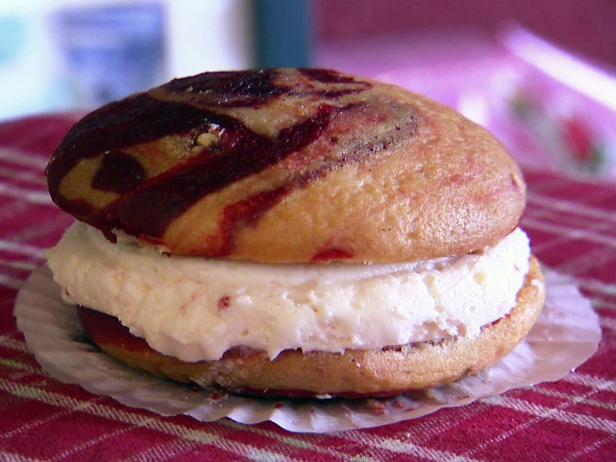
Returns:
<point x="566" y="335"/>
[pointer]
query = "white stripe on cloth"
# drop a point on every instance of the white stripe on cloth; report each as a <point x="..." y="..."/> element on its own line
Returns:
<point x="546" y="213"/>
<point x="33" y="196"/>
<point x="585" y="262"/>
<point x="596" y="286"/>
<point x="18" y="265"/>
<point x="554" y="239"/>
<point x="10" y="282"/>
<point x="72" y="451"/>
<point x="585" y="451"/>
<point x="543" y="412"/>
<point x="159" y="424"/>
<point x="21" y="248"/>
<point x="49" y="418"/>
<point x="590" y="381"/>
<point x="21" y="366"/>
<point x="406" y="447"/>
<point x="571" y="207"/>
<point x="13" y="344"/>
<point x="601" y="303"/>
<point x="562" y="395"/>
<point x="12" y="457"/>
<point x="12" y="209"/>
<point x="49" y="228"/>
<point x="608" y="323"/>
<point x="570" y="232"/>
<point x="548" y="184"/>
<point x="164" y="451"/>
<point x="23" y="175"/>
<point x="23" y="158"/>
<point x="559" y="239"/>
<point x="548" y="218"/>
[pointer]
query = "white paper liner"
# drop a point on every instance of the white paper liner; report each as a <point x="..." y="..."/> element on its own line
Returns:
<point x="566" y="335"/>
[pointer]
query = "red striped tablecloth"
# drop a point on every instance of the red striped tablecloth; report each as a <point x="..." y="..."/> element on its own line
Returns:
<point x="573" y="229"/>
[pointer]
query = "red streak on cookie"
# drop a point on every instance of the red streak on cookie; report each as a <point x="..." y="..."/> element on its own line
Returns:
<point x="247" y="211"/>
<point x="224" y="302"/>
<point x="332" y="254"/>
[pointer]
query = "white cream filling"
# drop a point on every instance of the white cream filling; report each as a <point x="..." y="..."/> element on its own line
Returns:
<point x="196" y="309"/>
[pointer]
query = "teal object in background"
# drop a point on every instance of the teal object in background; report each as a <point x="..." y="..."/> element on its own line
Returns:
<point x="12" y="38"/>
<point x="28" y="66"/>
<point x="284" y="33"/>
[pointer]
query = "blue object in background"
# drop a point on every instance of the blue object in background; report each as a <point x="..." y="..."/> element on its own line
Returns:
<point x="113" y="51"/>
<point x="284" y="33"/>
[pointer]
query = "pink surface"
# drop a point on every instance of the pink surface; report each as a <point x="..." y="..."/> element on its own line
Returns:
<point x="586" y="27"/>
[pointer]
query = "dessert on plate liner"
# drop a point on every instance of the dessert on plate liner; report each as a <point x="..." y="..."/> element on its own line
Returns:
<point x="293" y="233"/>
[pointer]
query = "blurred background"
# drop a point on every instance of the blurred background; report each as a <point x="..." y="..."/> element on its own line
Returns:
<point x="541" y="75"/>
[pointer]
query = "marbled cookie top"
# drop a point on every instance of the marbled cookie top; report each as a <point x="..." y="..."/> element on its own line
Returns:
<point x="288" y="165"/>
